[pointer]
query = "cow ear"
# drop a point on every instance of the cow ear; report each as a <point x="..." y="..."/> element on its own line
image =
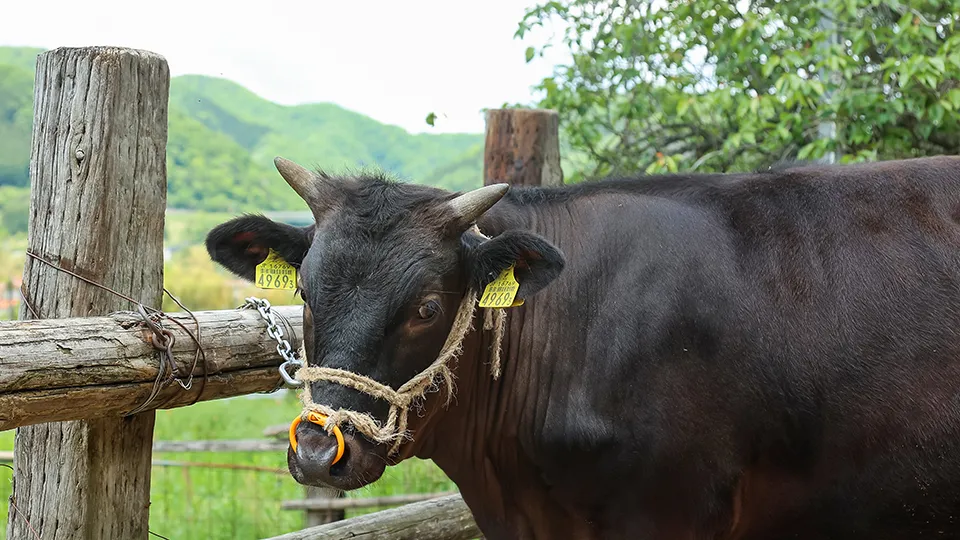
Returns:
<point x="240" y="244"/>
<point x="536" y="261"/>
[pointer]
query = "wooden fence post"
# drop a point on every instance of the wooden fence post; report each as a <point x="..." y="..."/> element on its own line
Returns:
<point x="522" y="148"/>
<point x="98" y="194"/>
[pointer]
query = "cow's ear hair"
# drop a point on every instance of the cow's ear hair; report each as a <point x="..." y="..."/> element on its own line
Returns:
<point x="240" y="244"/>
<point x="536" y="261"/>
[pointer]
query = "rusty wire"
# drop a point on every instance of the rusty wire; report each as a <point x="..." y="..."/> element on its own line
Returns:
<point x="161" y="338"/>
<point x="23" y="296"/>
<point x="200" y="352"/>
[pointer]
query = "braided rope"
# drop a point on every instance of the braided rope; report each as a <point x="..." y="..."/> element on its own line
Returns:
<point x="395" y="428"/>
<point x="495" y="319"/>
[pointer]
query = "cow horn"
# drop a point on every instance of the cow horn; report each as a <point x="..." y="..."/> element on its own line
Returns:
<point x="320" y="192"/>
<point x="301" y="180"/>
<point x="472" y="204"/>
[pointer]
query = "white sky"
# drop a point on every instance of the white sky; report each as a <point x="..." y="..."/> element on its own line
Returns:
<point x="394" y="61"/>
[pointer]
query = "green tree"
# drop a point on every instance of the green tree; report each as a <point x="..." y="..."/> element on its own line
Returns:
<point x="713" y="85"/>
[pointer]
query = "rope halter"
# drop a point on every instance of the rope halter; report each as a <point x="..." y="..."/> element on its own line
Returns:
<point x="395" y="428"/>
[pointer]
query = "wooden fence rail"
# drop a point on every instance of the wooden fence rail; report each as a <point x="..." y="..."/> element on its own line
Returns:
<point x="362" y="502"/>
<point x="96" y="367"/>
<point x="242" y="445"/>
<point x="444" y="518"/>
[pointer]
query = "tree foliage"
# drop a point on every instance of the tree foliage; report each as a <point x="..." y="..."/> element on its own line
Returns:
<point x="713" y="85"/>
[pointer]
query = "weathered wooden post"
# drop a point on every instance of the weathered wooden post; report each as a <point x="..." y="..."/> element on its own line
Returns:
<point x="522" y="147"/>
<point x="98" y="194"/>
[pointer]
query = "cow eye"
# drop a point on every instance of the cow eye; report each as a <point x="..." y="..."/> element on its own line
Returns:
<point x="429" y="309"/>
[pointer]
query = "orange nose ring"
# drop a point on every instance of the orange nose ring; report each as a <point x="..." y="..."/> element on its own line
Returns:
<point x="320" y="420"/>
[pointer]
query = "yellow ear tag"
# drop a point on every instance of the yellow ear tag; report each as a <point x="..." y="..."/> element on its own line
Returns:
<point x="276" y="273"/>
<point x="500" y="293"/>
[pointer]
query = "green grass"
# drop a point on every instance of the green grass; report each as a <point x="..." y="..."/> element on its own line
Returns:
<point x="211" y="504"/>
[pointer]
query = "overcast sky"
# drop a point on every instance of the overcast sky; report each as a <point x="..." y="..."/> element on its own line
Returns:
<point x="392" y="60"/>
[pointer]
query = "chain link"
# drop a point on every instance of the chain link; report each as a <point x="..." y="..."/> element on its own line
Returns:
<point x="276" y="332"/>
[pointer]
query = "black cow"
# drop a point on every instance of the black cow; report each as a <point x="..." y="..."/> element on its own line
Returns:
<point x="746" y="356"/>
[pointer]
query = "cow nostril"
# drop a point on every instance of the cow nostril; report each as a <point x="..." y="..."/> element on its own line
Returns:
<point x="314" y="460"/>
<point x="339" y="468"/>
<point x="320" y="420"/>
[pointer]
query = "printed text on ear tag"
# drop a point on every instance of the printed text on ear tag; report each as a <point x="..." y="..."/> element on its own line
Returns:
<point x="276" y="273"/>
<point x="501" y="292"/>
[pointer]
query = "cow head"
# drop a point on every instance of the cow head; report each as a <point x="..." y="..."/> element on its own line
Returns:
<point x="382" y="273"/>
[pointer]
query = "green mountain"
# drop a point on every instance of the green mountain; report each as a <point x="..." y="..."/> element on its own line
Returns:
<point x="223" y="138"/>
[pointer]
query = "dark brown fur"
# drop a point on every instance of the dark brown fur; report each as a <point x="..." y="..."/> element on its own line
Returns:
<point x="757" y="356"/>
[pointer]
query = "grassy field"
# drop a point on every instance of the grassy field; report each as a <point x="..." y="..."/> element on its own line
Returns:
<point x="211" y="504"/>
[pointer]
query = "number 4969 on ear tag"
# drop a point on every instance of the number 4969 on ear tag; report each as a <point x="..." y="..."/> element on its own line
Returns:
<point x="276" y="273"/>
<point x="501" y="292"/>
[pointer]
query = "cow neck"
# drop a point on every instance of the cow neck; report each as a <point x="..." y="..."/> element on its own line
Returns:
<point x="485" y="442"/>
<point x="482" y="442"/>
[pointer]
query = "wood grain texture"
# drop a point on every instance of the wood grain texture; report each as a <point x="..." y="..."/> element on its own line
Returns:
<point x="240" y="445"/>
<point x="522" y="148"/>
<point x="98" y="194"/>
<point x="361" y="502"/>
<point x="96" y="367"/>
<point x="444" y="518"/>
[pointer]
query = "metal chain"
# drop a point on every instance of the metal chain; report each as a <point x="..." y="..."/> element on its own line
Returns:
<point x="276" y="332"/>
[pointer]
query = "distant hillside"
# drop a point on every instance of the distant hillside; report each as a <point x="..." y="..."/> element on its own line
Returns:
<point x="223" y="138"/>
<point x="16" y="121"/>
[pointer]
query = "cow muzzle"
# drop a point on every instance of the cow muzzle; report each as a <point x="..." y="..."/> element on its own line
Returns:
<point x="339" y="460"/>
